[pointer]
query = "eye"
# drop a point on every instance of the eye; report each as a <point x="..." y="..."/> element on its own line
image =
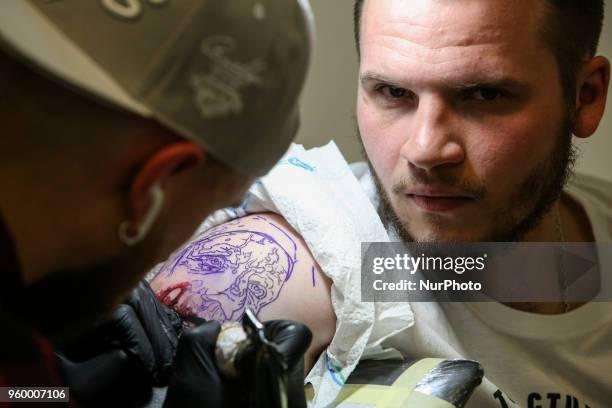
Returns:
<point x="487" y="94"/>
<point x="393" y="92"/>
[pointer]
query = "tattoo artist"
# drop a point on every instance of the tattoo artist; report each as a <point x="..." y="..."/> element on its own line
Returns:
<point x="124" y="124"/>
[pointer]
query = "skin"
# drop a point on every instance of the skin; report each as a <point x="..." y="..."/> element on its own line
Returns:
<point x="464" y="100"/>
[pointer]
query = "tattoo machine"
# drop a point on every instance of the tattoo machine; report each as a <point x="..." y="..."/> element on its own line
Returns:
<point x="244" y="350"/>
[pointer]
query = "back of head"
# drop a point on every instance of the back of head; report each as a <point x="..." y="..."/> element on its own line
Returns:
<point x="225" y="75"/>
<point x="128" y="80"/>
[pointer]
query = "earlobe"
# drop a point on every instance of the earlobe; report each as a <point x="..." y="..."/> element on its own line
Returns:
<point x="591" y="96"/>
<point x="145" y="199"/>
<point x="140" y="231"/>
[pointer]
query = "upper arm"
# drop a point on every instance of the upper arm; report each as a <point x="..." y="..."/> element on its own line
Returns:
<point x="259" y="262"/>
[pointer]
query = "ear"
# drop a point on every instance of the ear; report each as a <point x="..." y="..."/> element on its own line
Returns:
<point x="592" y="91"/>
<point x="167" y="161"/>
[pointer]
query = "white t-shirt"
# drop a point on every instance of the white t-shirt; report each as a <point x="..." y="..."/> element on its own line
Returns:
<point x="529" y="360"/>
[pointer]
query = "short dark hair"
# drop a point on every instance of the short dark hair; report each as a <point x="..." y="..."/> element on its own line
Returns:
<point x="572" y="30"/>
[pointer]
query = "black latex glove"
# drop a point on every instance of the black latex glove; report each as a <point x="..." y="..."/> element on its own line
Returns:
<point x="109" y="379"/>
<point x="153" y="342"/>
<point x="129" y="353"/>
<point x="292" y="340"/>
<point x="196" y="381"/>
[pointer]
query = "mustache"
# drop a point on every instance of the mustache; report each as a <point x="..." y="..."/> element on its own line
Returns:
<point x="441" y="180"/>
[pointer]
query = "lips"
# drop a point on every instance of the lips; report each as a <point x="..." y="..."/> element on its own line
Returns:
<point x="439" y="201"/>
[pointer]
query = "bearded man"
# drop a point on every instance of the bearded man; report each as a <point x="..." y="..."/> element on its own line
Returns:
<point x="466" y="112"/>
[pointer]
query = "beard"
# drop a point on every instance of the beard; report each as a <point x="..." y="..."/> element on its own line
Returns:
<point x="69" y="302"/>
<point x="533" y="199"/>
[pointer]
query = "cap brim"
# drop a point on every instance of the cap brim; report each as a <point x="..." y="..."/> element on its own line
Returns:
<point x="43" y="44"/>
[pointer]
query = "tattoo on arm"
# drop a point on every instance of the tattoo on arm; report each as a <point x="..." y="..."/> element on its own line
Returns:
<point x="227" y="269"/>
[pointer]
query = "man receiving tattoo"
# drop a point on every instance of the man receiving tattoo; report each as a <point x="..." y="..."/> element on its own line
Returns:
<point x="466" y="111"/>
<point x="124" y="124"/>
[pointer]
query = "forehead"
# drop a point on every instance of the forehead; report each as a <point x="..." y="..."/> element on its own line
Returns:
<point x="451" y="36"/>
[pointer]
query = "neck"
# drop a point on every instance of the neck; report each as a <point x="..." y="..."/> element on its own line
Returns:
<point x="566" y="215"/>
<point x="575" y="221"/>
<point x="567" y="221"/>
<point x="548" y="228"/>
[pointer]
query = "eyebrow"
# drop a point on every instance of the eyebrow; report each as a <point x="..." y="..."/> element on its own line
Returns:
<point x="492" y="82"/>
<point x="486" y="81"/>
<point x="372" y="76"/>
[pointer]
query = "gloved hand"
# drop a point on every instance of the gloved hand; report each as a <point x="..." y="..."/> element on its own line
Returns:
<point x="123" y="358"/>
<point x="148" y="331"/>
<point x="196" y="381"/>
<point x="111" y="378"/>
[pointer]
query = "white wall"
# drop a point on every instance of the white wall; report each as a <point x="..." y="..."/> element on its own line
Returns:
<point x="329" y="96"/>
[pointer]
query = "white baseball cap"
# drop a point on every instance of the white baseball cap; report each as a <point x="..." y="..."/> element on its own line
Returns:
<point x="225" y="74"/>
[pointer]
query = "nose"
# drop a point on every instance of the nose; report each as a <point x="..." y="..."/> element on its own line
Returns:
<point x="433" y="136"/>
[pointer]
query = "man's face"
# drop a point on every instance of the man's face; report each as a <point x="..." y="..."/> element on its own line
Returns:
<point x="462" y="117"/>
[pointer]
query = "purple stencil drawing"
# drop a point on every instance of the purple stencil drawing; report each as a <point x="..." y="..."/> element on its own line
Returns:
<point x="238" y="269"/>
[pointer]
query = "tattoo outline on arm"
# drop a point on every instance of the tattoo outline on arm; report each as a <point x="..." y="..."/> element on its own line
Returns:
<point x="229" y="268"/>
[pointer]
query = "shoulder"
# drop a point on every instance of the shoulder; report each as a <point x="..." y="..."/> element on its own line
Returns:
<point x="593" y="191"/>
<point x="592" y="187"/>
<point x="595" y="197"/>
<point x="258" y="262"/>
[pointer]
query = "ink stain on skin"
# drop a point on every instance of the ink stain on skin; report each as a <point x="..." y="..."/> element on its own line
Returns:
<point x="234" y="269"/>
<point x="314" y="283"/>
